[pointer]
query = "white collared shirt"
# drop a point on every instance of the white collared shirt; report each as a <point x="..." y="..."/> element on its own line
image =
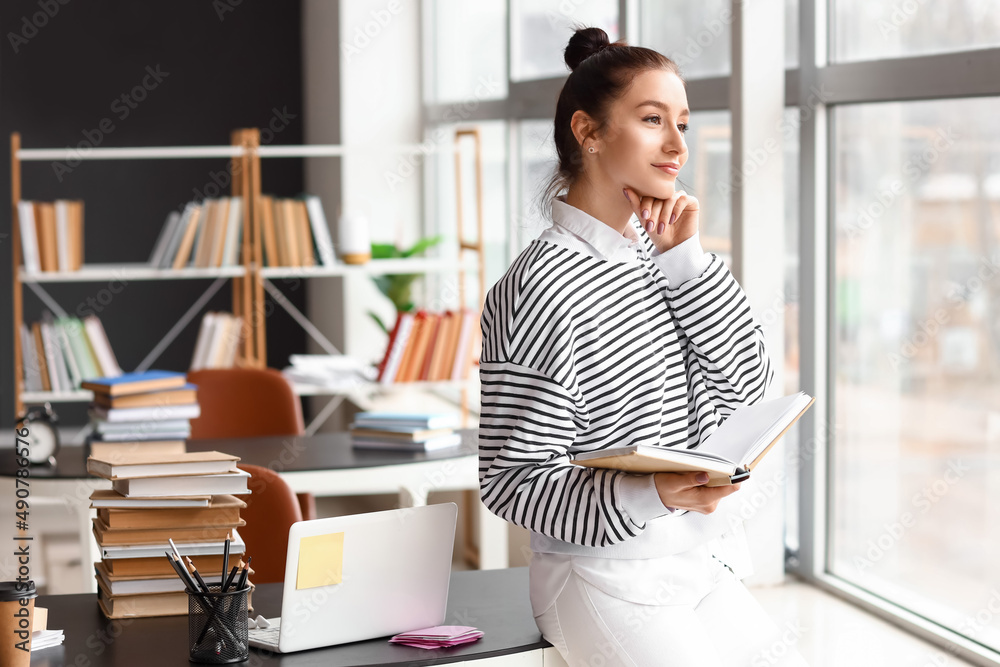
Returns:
<point x="577" y="230"/>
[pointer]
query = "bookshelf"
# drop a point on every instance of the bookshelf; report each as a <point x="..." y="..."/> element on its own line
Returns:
<point x="251" y="280"/>
<point x="35" y="281"/>
<point x="263" y="277"/>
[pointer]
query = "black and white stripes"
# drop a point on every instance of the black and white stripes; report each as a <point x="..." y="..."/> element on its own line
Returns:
<point x="581" y="353"/>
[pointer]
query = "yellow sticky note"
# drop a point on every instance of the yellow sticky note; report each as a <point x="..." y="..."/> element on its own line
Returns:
<point x="321" y="560"/>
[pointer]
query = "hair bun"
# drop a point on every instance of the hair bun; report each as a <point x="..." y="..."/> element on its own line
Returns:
<point x="584" y="43"/>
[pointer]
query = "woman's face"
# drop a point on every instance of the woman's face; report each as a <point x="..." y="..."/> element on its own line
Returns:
<point x="646" y="128"/>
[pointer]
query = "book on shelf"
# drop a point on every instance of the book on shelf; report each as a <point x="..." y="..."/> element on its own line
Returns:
<point x="206" y="234"/>
<point x="61" y="354"/>
<point x="136" y="383"/>
<point x="427" y="346"/>
<point x="728" y="455"/>
<point x="146" y="464"/>
<point x="126" y="449"/>
<point x="295" y="232"/>
<point x="232" y="483"/>
<point x="218" y="341"/>
<point x="221" y="510"/>
<point x="51" y="235"/>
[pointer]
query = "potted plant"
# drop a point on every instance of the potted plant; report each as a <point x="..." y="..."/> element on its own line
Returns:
<point x="398" y="287"/>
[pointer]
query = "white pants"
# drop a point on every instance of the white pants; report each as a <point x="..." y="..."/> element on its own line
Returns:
<point x="686" y="610"/>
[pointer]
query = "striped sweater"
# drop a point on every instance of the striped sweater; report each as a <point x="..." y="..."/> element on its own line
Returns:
<point x="593" y="339"/>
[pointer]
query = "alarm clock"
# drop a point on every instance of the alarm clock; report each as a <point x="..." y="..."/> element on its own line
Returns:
<point x="43" y="438"/>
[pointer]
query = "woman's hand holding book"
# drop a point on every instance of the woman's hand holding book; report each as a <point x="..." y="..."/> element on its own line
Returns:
<point x="686" y="491"/>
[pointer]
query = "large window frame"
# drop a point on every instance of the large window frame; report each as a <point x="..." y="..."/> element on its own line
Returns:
<point x="815" y="87"/>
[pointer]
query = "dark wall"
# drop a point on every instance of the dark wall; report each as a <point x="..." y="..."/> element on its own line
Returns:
<point x="189" y="76"/>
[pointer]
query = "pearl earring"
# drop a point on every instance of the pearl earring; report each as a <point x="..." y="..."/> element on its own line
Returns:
<point x="591" y="149"/>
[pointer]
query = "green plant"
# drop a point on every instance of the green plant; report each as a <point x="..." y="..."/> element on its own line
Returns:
<point x="398" y="287"/>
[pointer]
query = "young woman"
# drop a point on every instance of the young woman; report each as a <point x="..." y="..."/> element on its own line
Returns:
<point x="607" y="332"/>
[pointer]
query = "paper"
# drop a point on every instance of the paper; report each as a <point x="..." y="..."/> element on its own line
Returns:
<point x="438" y="636"/>
<point x="321" y="561"/>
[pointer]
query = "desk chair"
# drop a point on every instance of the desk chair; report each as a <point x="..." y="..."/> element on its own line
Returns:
<point x="248" y="402"/>
<point x="271" y="510"/>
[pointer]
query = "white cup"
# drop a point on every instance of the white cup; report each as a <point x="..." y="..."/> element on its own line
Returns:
<point x="354" y="238"/>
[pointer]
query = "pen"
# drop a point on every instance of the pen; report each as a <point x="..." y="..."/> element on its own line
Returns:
<point x="225" y="565"/>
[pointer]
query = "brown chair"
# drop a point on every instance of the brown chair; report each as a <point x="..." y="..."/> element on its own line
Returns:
<point x="271" y="510"/>
<point x="248" y="402"/>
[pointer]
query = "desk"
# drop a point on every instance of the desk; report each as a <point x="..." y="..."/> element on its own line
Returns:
<point x="495" y="601"/>
<point x="324" y="465"/>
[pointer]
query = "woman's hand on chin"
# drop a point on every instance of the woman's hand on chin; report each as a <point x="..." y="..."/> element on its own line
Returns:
<point x="667" y="221"/>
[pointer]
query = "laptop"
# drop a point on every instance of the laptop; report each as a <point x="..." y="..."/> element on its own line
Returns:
<point x="392" y="569"/>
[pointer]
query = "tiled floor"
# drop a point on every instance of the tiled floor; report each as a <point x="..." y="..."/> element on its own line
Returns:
<point x="835" y="633"/>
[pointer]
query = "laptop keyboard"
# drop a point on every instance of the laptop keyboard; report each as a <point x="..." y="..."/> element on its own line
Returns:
<point x="265" y="637"/>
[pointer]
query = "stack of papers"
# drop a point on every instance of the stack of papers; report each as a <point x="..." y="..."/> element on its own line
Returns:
<point x="45" y="638"/>
<point x="438" y="636"/>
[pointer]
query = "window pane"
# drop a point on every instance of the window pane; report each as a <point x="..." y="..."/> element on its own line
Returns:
<point x="542" y="29"/>
<point x="443" y="214"/>
<point x="538" y="164"/>
<point x="870" y="29"/>
<point x="709" y="154"/>
<point x="915" y="505"/>
<point x="696" y="35"/>
<point x="789" y="302"/>
<point x="468" y="50"/>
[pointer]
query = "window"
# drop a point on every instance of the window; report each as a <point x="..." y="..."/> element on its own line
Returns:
<point x="870" y="29"/>
<point x="462" y="28"/>
<point x="913" y="512"/>
<point x="542" y="28"/>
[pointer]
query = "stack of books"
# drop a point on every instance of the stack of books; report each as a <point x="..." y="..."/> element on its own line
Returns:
<point x="428" y="346"/>
<point x="411" y="432"/>
<point x="135" y="411"/>
<point x="59" y="353"/>
<point x="156" y="498"/>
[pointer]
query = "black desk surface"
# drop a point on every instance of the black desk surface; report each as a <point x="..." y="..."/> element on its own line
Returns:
<point x="323" y="451"/>
<point x="495" y="601"/>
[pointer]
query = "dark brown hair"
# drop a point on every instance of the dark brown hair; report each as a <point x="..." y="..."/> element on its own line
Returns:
<point x="601" y="72"/>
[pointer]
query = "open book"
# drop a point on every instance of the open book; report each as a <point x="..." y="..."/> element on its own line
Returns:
<point x="728" y="455"/>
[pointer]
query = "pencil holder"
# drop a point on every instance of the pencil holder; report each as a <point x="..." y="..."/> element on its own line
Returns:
<point x="217" y="625"/>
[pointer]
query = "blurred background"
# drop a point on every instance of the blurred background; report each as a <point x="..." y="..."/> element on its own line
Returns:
<point x="868" y="239"/>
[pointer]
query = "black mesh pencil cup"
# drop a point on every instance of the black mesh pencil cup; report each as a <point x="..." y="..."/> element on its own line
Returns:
<point x="217" y="625"/>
